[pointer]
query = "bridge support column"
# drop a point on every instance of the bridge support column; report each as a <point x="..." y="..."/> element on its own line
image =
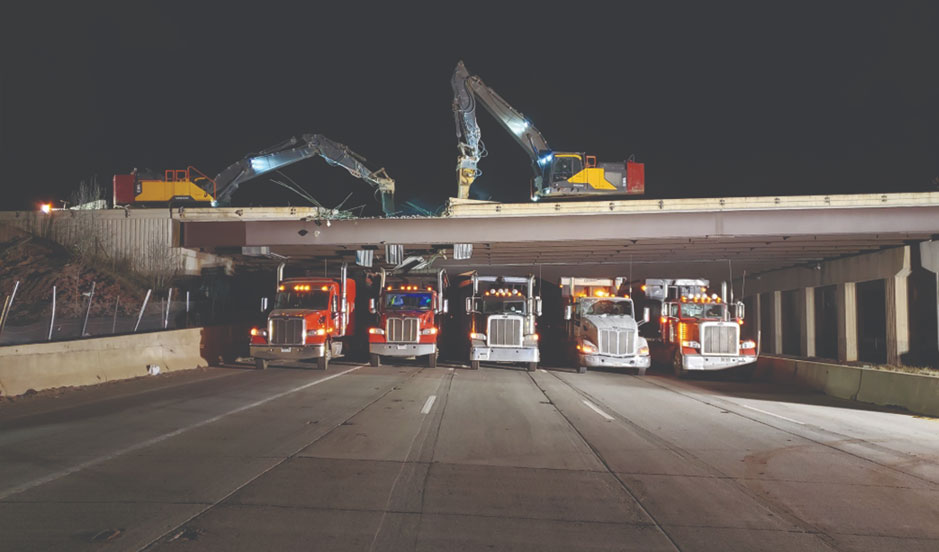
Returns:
<point x="929" y="259"/>
<point x="846" y="305"/>
<point x="777" y="323"/>
<point x="898" y="314"/>
<point x="807" y="313"/>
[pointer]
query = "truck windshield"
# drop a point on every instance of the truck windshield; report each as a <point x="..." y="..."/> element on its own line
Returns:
<point x="311" y="300"/>
<point x="409" y="301"/>
<point x="702" y="310"/>
<point x="495" y="305"/>
<point x="609" y="306"/>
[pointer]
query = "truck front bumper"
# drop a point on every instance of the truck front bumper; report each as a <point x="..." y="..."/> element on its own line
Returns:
<point x="505" y="354"/>
<point x="288" y="352"/>
<point x="715" y="362"/>
<point x="402" y="349"/>
<point x="597" y="361"/>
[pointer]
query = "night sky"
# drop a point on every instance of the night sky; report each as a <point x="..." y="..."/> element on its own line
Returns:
<point x="750" y="99"/>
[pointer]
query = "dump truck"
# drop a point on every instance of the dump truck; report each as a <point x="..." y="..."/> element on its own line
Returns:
<point x="602" y="329"/>
<point x="698" y="330"/>
<point x="501" y="315"/>
<point x="408" y="309"/>
<point x="312" y="318"/>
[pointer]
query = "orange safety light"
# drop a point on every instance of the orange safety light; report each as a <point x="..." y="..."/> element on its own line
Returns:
<point x="281" y="288"/>
<point x="642" y="287"/>
<point x="704" y="290"/>
<point x="662" y="319"/>
<point x="388" y="288"/>
<point x="325" y="288"/>
<point x="254" y="331"/>
<point x="740" y="321"/>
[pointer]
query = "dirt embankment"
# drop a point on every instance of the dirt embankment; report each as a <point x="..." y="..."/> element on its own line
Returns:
<point x="38" y="264"/>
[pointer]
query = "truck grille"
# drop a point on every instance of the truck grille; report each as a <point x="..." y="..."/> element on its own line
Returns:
<point x="286" y="331"/>
<point x="617" y="342"/>
<point x="505" y="331"/>
<point x="719" y="339"/>
<point x="402" y="330"/>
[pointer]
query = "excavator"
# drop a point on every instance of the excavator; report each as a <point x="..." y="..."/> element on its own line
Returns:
<point x="191" y="186"/>
<point x="558" y="174"/>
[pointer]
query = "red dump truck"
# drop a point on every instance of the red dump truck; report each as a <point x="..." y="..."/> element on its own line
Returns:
<point x="312" y="318"/>
<point x="409" y="309"/>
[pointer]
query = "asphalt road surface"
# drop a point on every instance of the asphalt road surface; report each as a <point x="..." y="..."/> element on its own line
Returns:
<point x="402" y="457"/>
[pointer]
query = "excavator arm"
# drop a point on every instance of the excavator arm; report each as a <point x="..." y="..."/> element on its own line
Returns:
<point x="467" y="90"/>
<point x="298" y="149"/>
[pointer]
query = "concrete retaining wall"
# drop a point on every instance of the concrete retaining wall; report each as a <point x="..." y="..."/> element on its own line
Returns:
<point x="90" y="361"/>
<point x="916" y="393"/>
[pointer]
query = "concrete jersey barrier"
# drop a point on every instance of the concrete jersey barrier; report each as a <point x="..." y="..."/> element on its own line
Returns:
<point x="89" y="361"/>
<point x="914" y="392"/>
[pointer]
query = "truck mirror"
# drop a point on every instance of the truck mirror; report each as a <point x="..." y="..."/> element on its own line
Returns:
<point x="469" y="305"/>
<point x="263" y="304"/>
<point x="646" y="314"/>
<point x="371" y="306"/>
<point x="538" y="306"/>
<point x="741" y="310"/>
<point x="335" y="304"/>
<point x="568" y="311"/>
<point x="446" y="306"/>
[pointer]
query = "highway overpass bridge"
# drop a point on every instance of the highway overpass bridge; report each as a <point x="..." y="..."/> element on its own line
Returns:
<point x="829" y="276"/>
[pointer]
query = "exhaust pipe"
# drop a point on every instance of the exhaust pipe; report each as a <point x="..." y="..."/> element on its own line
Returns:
<point x="342" y="300"/>
<point x="724" y="299"/>
<point x="280" y="274"/>
<point x="440" y="274"/>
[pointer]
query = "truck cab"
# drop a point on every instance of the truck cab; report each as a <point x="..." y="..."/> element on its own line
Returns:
<point x="408" y="310"/>
<point x="502" y="313"/>
<point x="701" y="332"/>
<point x="602" y="326"/>
<point x="310" y="319"/>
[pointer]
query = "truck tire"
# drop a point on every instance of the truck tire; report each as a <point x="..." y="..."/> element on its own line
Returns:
<point x="532" y="366"/>
<point x="374" y="359"/>
<point x="474" y="365"/>
<point x="678" y="366"/>
<point x="642" y="371"/>
<point x="581" y="369"/>
<point x="432" y="360"/>
<point x="260" y="363"/>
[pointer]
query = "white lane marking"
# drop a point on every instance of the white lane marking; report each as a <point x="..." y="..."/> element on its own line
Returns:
<point x="776" y="415"/>
<point x="428" y="404"/>
<point x="542" y="370"/>
<point x="143" y="444"/>
<point x="598" y="411"/>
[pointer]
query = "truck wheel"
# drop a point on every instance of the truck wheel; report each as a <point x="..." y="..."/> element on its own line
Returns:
<point x="678" y="366"/>
<point x="374" y="359"/>
<point x="432" y="360"/>
<point x="581" y="369"/>
<point x="260" y="363"/>
<point x="532" y="366"/>
<point x="642" y="372"/>
<point x="474" y="364"/>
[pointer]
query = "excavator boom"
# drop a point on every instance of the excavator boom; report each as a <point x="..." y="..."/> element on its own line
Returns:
<point x="298" y="149"/>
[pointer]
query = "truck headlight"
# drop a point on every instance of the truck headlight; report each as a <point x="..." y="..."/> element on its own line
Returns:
<point x="428" y="331"/>
<point x="587" y="347"/>
<point x="643" y="347"/>
<point x="748" y="344"/>
<point x="321" y="331"/>
<point x="691" y="344"/>
<point x="376" y="331"/>
<point x="478" y="336"/>
<point x="531" y="339"/>
<point x="257" y="331"/>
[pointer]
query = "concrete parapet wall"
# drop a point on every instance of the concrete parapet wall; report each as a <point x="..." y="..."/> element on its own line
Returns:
<point x="90" y="361"/>
<point x="913" y="392"/>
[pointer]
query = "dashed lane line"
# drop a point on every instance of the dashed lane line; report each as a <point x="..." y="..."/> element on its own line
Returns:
<point x="596" y="409"/>
<point x="428" y="404"/>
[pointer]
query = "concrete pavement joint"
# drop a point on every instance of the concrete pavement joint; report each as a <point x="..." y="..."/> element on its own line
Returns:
<point x="160" y="438"/>
<point x="391" y="387"/>
<point x="603" y="462"/>
<point x="771" y="507"/>
<point x="839" y="436"/>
